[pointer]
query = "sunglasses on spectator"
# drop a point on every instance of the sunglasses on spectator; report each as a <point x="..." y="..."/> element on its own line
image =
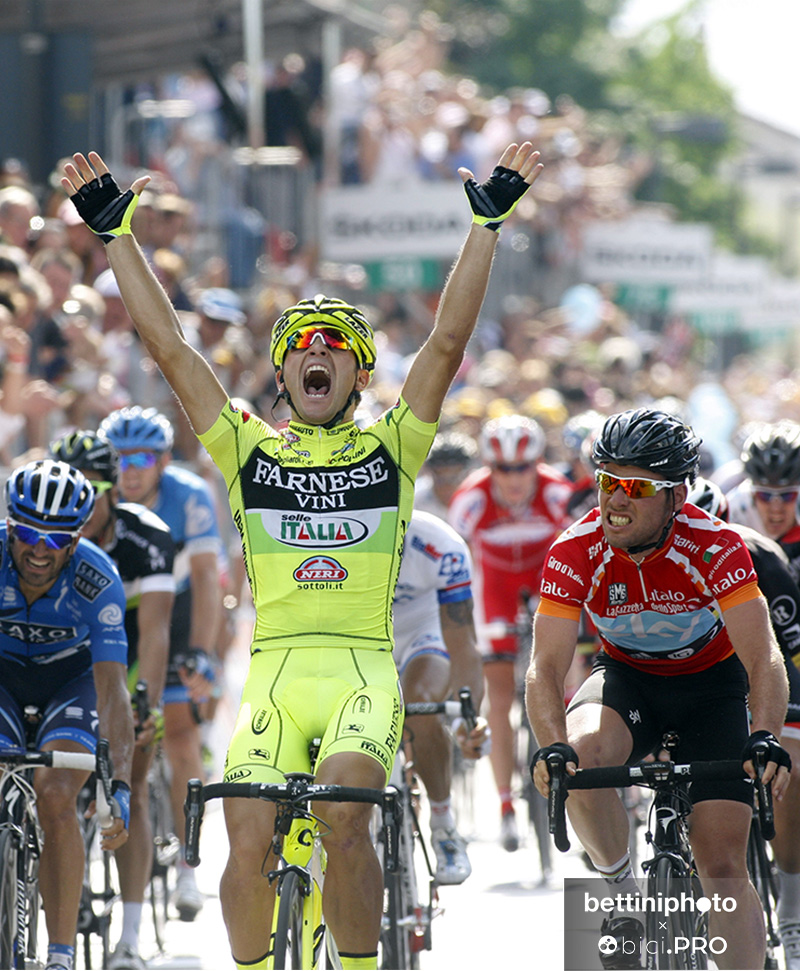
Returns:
<point x="138" y="460"/>
<point x="101" y="486"/>
<point x="785" y="495"/>
<point x="633" y="488"/>
<point x="509" y="469"/>
<point x="330" y="337"/>
<point x="30" y="536"/>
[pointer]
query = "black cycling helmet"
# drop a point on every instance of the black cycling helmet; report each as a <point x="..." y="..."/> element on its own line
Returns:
<point x="649" y="439"/>
<point x="771" y="455"/>
<point x="88" y="452"/>
<point x="452" y="448"/>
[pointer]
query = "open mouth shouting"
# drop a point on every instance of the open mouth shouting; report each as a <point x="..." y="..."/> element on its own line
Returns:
<point x="317" y="380"/>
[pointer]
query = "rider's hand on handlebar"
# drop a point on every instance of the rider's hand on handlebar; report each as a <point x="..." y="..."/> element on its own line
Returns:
<point x="778" y="761"/>
<point x="540" y="771"/>
<point x="147" y="730"/>
<point x="476" y="743"/>
<point x="198" y="675"/>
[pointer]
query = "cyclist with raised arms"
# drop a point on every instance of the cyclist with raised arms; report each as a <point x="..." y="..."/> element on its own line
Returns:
<point x="62" y="650"/>
<point x="322" y="507"/>
<point x="435" y="654"/>
<point x="144" y="438"/>
<point x="142" y="549"/>
<point x="686" y="646"/>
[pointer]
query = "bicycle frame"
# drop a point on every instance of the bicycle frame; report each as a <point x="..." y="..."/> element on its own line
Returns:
<point x="19" y="821"/>
<point x="673" y="857"/>
<point x="407" y="921"/>
<point x="296" y="843"/>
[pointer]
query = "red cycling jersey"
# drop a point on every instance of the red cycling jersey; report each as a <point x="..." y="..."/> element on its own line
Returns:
<point x="508" y="545"/>
<point x="663" y="615"/>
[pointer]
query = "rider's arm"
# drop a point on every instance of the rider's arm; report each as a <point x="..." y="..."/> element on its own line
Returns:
<point x="750" y="631"/>
<point x="751" y="634"/>
<point x="554" y="643"/>
<point x="440" y="357"/>
<point x="458" y="633"/>
<point x="190" y="377"/>
<point x="204" y="571"/>
<point x="466" y="669"/>
<point x="116" y="724"/>
<point x="155" y="610"/>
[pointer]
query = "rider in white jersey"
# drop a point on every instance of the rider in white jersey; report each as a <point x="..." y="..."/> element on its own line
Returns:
<point x="435" y="654"/>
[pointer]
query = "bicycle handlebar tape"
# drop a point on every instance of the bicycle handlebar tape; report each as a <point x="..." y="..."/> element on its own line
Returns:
<point x="494" y="200"/>
<point x="105" y="209"/>
<point x="193" y="811"/>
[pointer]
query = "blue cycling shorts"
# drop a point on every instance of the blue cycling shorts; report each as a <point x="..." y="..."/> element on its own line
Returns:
<point x="71" y="714"/>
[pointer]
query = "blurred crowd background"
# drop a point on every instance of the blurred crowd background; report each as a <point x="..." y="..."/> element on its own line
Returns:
<point x="235" y="243"/>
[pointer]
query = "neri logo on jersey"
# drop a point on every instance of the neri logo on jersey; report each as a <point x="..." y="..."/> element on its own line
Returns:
<point x="318" y="508"/>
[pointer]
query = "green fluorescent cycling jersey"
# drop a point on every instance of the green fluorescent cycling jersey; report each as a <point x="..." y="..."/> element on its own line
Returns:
<point x="322" y="514"/>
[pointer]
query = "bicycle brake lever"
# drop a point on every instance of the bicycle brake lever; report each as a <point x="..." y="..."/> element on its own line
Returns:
<point x="556" y="798"/>
<point x="766" y="810"/>
<point x="193" y="811"/>
<point x="392" y="815"/>
<point x="467" y="709"/>
<point x="103" y="773"/>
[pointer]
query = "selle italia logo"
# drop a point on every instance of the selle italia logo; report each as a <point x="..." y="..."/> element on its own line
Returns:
<point x="321" y="531"/>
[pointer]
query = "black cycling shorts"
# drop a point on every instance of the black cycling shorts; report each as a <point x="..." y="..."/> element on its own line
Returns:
<point x="708" y="711"/>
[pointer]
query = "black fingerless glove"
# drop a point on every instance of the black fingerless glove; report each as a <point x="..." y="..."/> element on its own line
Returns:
<point x="775" y="751"/>
<point x="105" y="209"/>
<point x="562" y="749"/>
<point x="494" y="200"/>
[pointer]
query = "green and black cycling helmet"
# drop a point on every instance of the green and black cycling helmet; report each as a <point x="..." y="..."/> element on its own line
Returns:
<point x="649" y="439"/>
<point x="322" y="311"/>
<point x="771" y="454"/>
<point x="88" y="452"/>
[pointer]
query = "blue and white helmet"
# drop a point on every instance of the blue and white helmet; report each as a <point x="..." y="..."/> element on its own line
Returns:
<point x="136" y="428"/>
<point x="50" y="495"/>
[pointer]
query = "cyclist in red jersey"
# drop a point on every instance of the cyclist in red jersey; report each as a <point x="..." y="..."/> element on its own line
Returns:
<point x="509" y="512"/>
<point x="686" y="646"/>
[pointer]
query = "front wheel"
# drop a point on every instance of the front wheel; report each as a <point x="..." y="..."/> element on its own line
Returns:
<point x="395" y="937"/>
<point x="288" y="942"/>
<point x="671" y="941"/>
<point x="8" y="900"/>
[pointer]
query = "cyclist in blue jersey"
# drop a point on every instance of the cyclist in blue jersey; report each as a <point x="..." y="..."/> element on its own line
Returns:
<point x="63" y="650"/>
<point x="142" y="549"/>
<point x="144" y="439"/>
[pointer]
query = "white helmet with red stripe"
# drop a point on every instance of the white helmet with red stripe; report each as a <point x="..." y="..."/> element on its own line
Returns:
<point x="511" y="440"/>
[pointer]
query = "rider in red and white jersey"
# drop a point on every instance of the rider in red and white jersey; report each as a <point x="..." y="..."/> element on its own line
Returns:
<point x="509" y="511"/>
<point x="686" y="647"/>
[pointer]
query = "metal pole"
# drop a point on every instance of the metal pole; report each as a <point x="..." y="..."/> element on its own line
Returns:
<point x="253" y="27"/>
<point x="331" y="56"/>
